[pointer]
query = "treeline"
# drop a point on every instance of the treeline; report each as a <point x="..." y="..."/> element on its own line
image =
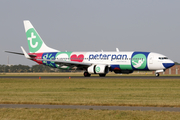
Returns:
<point x="25" y="68"/>
<point x="176" y="63"/>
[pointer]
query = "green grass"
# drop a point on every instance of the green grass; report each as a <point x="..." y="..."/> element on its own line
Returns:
<point x="75" y="114"/>
<point x="120" y="92"/>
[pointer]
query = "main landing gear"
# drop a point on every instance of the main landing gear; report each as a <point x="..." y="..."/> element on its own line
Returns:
<point x="86" y="74"/>
<point x="157" y="74"/>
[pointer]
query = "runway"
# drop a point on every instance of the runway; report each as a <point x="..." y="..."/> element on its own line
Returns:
<point x="171" y="109"/>
<point x="94" y="77"/>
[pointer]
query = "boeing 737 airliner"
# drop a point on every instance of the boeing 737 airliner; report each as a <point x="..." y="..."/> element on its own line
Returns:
<point x="92" y="62"/>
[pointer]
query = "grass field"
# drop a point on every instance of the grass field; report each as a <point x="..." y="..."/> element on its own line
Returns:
<point x="120" y="92"/>
<point x="72" y="114"/>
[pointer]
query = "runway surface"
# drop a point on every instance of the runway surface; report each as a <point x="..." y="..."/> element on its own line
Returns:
<point x="94" y="77"/>
<point x="91" y="107"/>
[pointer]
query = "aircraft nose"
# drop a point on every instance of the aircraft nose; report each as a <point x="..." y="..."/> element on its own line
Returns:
<point x="168" y="64"/>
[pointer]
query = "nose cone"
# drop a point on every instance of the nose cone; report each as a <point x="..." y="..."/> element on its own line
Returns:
<point x="168" y="64"/>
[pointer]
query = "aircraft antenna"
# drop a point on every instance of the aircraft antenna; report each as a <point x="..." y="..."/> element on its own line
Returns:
<point x="117" y="50"/>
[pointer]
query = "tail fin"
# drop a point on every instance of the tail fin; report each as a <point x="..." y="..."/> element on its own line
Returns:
<point x="35" y="43"/>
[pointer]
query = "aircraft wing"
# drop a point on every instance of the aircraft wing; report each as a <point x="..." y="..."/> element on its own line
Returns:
<point x="67" y="63"/>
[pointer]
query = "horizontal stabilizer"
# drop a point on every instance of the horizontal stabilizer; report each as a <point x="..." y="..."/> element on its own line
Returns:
<point x="14" y="52"/>
<point x="19" y="53"/>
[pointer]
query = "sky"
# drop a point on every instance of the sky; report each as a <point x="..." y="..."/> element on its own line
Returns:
<point x="91" y="25"/>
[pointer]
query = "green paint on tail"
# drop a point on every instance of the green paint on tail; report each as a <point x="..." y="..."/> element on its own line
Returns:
<point x="34" y="40"/>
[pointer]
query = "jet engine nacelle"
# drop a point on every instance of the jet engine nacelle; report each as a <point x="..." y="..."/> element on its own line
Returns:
<point x="98" y="69"/>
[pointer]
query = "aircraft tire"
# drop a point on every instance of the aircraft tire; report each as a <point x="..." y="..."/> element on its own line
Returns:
<point x="157" y="74"/>
<point x="86" y="74"/>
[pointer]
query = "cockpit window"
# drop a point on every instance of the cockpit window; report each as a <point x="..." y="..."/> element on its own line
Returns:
<point x="163" y="58"/>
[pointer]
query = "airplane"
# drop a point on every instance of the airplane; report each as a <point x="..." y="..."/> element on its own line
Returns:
<point x="101" y="63"/>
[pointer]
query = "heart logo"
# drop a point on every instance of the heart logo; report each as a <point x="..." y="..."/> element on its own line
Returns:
<point x="78" y="58"/>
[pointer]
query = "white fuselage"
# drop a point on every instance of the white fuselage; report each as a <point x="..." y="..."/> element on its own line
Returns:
<point x="122" y="60"/>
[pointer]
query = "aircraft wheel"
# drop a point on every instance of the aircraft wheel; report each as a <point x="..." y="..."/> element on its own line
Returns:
<point x="102" y="75"/>
<point x="86" y="74"/>
<point x="157" y="74"/>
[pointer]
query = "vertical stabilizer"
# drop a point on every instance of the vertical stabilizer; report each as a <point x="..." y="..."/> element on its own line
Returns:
<point x="35" y="43"/>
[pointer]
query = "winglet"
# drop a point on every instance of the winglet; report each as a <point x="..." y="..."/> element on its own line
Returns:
<point x="25" y="53"/>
